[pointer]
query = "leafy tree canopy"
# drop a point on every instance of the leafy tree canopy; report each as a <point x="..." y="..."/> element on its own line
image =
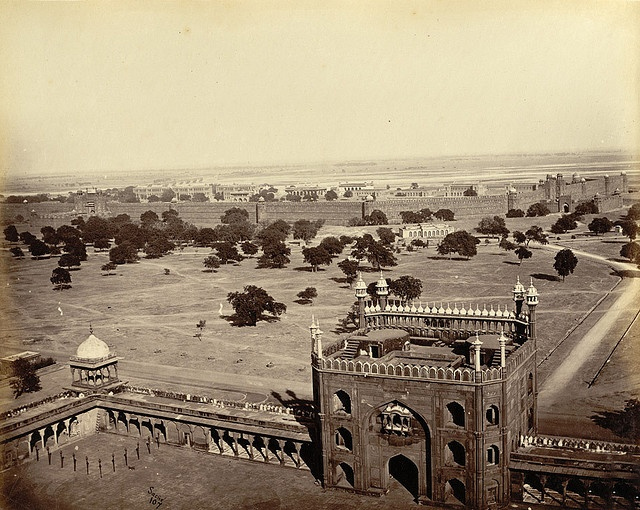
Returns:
<point x="492" y="226"/>
<point x="538" y="209"/>
<point x="67" y="260"/>
<point x="563" y="224"/>
<point x="386" y="235"/>
<point x="631" y="251"/>
<point x="39" y="248"/>
<point x="316" y="256"/>
<point x="460" y="242"/>
<point x="125" y="253"/>
<point x="11" y="234"/>
<point x="235" y="215"/>
<point x="350" y="270"/>
<point x="251" y="305"/>
<point x="515" y="213"/>
<point x="600" y="225"/>
<point x="565" y="263"/>
<point x="407" y="288"/>
<point x="535" y="233"/>
<point x="60" y="277"/>
<point x="444" y="214"/>
<point x="25" y="380"/>
<point x="305" y="229"/>
<point x="211" y="262"/>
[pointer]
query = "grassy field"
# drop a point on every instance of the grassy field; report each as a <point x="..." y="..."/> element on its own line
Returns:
<point x="147" y="315"/>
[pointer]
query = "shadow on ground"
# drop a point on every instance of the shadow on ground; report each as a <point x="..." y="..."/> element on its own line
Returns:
<point x="624" y="423"/>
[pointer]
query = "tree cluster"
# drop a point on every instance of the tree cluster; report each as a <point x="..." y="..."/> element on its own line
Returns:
<point x="460" y="242"/>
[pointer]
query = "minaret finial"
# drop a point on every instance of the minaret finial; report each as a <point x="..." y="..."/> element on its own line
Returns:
<point x="90" y="329"/>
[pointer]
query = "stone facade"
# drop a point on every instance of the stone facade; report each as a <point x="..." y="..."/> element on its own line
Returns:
<point x="431" y="408"/>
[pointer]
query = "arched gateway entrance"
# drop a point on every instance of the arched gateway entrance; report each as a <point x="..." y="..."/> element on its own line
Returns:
<point x="402" y="440"/>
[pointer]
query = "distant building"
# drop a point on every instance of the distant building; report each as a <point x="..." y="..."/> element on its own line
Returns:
<point x="235" y="192"/>
<point x="425" y="231"/>
<point x="190" y="188"/>
<point x="358" y="189"/>
<point x="306" y="191"/>
<point x="143" y="193"/>
<point x="458" y="190"/>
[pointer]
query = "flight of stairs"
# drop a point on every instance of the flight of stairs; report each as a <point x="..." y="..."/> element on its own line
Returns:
<point x="351" y="349"/>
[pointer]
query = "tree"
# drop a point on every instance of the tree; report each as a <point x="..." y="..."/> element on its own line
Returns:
<point x="377" y="217"/>
<point x="67" y="260"/>
<point x="167" y="195"/>
<point x="460" y="242"/>
<point x="519" y="237"/>
<point x="563" y="224"/>
<point x="492" y="226"/>
<point x="629" y="229"/>
<point x="600" y="225"/>
<point x="507" y="245"/>
<point x="75" y="246"/>
<point x="307" y="295"/>
<point x="235" y="215"/>
<point x="157" y="246"/>
<point x="350" y="270"/>
<point x="470" y="192"/>
<point x="523" y="253"/>
<point x="330" y="195"/>
<point x="332" y="245"/>
<point x="25" y="379"/>
<point x="205" y="237"/>
<point x="416" y="243"/>
<point x="317" y="256"/>
<point x="149" y="218"/>
<point x="17" y="252"/>
<point x="67" y="232"/>
<point x="211" y="262"/>
<point x="536" y="234"/>
<point x="27" y="237"/>
<point x="305" y="230"/>
<point x="407" y="288"/>
<point x="565" y="262"/>
<point x="227" y="251"/>
<point x="275" y="255"/>
<point x="410" y="217"/>
<point x="348" y="194"/>
<point x="631" y="251"/>
<point x="125" y="253"/>
<point x="200" y="197"/>
<point x="249" y="248"/>
<point x="375" y="252"/>
<point x="634" y="212"/>
<point x="102" y="244"/>
<point x="537" y="209"/>
<point x="11" y="234"/>
<point x="60" y="277"/>
<point x="39" y="249"/>
<point x="49" y="235"/>
<point x="108" y="267"/>
<point x="586" y="208"/>
<point x="444" y="214"/>
<point x="251" y="305"/>
<point x="515" y="213"/>
<point x="153" y="198"/>
<point x="386" y="235"/>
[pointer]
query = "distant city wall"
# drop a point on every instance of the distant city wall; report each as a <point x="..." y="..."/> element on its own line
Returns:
<point x="610" y="191"/>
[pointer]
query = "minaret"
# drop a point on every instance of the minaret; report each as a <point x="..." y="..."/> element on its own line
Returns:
<point x="313" y="328"/>
<point x="476" y="346"/>
<point x="361" y="293"/>
<point x="382" y="290"/>
<point x="518" y="296"/>
<point x="503" y="351"/>
<point x="532" y="302"/>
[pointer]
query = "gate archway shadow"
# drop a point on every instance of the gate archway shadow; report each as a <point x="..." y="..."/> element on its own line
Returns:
<point x="406" y="473"/>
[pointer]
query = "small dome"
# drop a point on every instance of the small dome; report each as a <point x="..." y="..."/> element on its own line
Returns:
<point x="532" y="291"/>
<point x="369" y="198"/>
<point x="92" y="348"/>
<point x="518" y="287"/>
<point x="382" y="282"/>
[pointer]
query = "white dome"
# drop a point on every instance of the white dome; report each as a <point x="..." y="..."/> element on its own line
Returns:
<point x="92" y="348"/>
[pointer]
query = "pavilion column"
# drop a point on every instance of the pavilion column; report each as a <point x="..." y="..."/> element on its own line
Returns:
<point x="297" y="447"/>
<point x="281" y="459"/>
<point x="234" y="436"/>
<point x="564" y="491"/>
<point x="251" y="440"/>
<point x="41" y="432"/>
<point x="266" y="450"/>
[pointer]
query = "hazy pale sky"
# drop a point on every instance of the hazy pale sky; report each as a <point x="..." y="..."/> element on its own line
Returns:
<point x="119" y="85"/>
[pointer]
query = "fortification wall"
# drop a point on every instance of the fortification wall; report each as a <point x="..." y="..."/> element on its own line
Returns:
<point x="461" y="206"/>
<point x="334" y="213"/>
<point x="201" y="214"/>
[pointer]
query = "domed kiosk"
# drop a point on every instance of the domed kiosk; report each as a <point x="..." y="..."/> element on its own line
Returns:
<point x="94" y="367"/>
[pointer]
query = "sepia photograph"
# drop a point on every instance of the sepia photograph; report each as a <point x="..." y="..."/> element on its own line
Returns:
<point x="360" y="254"/>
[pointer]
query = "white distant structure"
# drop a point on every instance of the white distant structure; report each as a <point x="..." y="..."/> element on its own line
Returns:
<point x="425" y="231"/>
